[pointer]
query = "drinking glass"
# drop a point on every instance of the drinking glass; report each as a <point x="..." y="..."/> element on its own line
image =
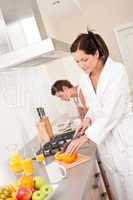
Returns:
<point x="27" y="166"/>
<point x="15" y="159"/>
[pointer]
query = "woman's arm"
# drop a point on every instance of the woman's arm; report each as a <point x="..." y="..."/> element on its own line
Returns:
<point x="82" y="127"/>
<point x="82" y="107"/>
<point x="83" y="102"/>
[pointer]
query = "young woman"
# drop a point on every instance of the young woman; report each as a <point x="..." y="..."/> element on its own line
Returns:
<point x="64" y="90"/>
<point x="109" y="121"/>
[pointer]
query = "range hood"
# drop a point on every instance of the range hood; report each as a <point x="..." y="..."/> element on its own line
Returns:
<point x="19" y="53"/>
<point x="45" y="51"/>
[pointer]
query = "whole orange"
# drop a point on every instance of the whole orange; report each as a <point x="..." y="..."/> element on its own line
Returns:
<point x="26" y="181"/>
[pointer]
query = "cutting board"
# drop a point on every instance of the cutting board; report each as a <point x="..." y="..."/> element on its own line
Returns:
<point x="80" y="159"/>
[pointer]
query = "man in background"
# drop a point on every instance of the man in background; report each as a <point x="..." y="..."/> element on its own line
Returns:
<point x="64" y="90"/>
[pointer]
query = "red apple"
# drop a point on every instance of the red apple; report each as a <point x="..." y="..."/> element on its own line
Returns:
<point x="23" y="194"/>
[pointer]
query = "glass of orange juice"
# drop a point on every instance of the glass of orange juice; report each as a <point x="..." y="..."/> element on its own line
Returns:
<point x="15" y="159"/>
<point x="27" y="166"/>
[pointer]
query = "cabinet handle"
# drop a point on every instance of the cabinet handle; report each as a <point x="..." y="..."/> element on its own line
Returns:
<point x="103" y="196"/>
<point x="97" y="177"/>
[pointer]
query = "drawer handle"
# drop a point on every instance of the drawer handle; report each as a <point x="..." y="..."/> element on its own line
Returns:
<point x="97" y="177"/>
<point x="103" y="196"/>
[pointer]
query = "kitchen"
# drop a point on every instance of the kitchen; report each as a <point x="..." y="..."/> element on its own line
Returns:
<point x="26" y="88"/>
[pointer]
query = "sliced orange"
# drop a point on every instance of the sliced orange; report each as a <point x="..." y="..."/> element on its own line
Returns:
<point x="66" y="158"/>
<point x="69" y="158"/>
<point x="59" y="156"/>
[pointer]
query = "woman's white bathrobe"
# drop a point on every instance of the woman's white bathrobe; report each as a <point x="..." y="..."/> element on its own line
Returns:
<point x="110" y="110"/>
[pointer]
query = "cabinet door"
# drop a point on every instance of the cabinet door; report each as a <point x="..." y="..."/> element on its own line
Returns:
<point x="96" y="187"/>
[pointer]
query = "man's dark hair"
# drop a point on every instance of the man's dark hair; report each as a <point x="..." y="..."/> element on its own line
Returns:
<point x="58" y="86"/>
<point x="90" y="43"/>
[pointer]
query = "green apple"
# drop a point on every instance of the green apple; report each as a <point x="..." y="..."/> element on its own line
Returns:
<point x="39" y="182"/>
<point x="38" y="195"/>
<point x="46" y="189"/>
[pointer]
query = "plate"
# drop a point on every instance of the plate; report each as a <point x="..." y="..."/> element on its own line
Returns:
<point x="54" y="186"/>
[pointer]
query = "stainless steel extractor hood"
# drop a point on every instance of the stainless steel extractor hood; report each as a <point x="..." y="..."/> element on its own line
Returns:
<point x="33" y="55"/>
<point x="20" y="53"/>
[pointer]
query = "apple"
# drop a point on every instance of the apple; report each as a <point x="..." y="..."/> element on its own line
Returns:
<point x="46" y="189"/>
<point x="38" y="195"/>
<point x="23" y="194"/>
<point x="39" y="182"/>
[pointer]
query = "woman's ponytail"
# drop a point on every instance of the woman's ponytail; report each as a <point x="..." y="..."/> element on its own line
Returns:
<point x="90" y="43"/>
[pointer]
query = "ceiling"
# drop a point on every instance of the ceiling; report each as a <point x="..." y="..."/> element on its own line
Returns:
<point x="60" y="7"/>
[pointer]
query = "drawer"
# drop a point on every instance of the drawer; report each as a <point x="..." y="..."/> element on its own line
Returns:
<point x="94" y="171"/>
<point x="96" y="195"/>
<point x="96" y="185"/>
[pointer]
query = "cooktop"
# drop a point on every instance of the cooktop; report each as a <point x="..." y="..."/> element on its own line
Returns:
<point x="56" y="144"/>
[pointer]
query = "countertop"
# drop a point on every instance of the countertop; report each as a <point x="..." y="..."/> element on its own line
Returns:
<point x="74" y="186"/>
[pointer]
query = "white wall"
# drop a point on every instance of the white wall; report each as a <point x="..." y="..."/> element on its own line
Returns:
<point x="16" y="122"/>
<point x="20" y="93"/>
<point x="101" y="16"/>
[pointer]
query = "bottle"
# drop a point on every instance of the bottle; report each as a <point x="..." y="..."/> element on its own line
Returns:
<point x="44" y="127"/>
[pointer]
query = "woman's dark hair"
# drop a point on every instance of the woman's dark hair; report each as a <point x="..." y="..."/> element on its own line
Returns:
<point x="91" y="42"/>
<point x="58" y="86"/>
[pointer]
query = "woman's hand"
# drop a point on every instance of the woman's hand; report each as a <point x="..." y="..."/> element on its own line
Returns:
<point x="76" y="144"/>
<point x="82" y="127"/>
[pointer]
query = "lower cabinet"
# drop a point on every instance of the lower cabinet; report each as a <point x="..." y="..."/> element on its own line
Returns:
<point x="95" y="189"/>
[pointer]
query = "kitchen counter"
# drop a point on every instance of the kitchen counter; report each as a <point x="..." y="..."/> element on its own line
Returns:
<point x="76" y="184"/>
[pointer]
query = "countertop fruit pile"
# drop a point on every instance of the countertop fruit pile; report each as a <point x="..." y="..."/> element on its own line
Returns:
<point x="66" y="158"/>
<point x="26" y="188"/>
<point x="7" y="191"/>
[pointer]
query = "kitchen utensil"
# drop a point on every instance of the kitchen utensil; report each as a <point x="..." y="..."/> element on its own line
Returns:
<point x="45" y="128"/>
